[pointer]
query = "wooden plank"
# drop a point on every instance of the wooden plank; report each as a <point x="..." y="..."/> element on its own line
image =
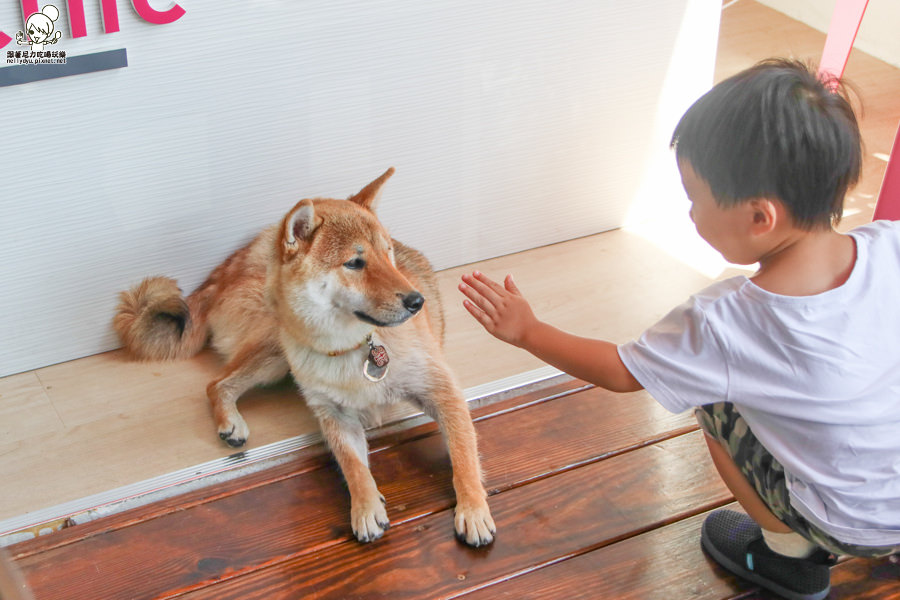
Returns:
<point x="663" y="564"/>
<point x="861" y="579"/>
<point x="305" y="460"/>
<point x="540" y="523"/>
<point x="296" y="515"/>
<point x="669" y="563"/>
<point x="853" y="579"/>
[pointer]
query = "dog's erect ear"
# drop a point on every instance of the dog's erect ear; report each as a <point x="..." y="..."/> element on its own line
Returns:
<point x="298" y="227"/>
<point x="369" y="195"/>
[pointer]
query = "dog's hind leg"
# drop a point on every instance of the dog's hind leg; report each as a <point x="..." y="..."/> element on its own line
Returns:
<point x="253" y="365"/>
<point x="347" y="439"/>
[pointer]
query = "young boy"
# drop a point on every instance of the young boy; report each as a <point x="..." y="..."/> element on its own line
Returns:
<point x="796" y="370"/>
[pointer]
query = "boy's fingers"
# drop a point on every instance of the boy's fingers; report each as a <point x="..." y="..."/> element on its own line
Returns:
<point x="493" y="285"/>
<point x="477" y="282"/>
<point x="473" y="309"/>
<point x="476" y="298"/>
<point x="511" y="285"/>
<point x="479" y="314"/>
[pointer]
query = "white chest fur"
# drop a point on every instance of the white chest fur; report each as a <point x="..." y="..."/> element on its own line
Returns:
<point x="339" y="380"/>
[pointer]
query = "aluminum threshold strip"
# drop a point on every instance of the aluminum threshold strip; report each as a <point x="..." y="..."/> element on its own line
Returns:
<point x="39" y="522"/>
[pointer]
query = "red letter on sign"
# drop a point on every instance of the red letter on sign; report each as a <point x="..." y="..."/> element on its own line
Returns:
<point x="154" y="16"/>
<point x="29" y="7"/>
<point x="110" y="16"/>
<point x="77" y="24"/>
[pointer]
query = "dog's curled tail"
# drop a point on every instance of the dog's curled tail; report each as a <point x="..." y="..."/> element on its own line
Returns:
<point x="154" y="321"/>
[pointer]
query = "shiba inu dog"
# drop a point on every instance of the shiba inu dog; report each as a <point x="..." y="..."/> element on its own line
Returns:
<point x="328" y="295"/>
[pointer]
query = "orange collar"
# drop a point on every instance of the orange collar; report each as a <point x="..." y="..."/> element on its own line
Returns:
<point x="356" y="347"/>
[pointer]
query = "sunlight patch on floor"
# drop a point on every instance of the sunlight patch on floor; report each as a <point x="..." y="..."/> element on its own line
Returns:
<point x="678" y="239"/>
<point x="659" y="212"/>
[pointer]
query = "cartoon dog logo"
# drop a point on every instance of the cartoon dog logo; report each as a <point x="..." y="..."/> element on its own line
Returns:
<point x="40" y="29"/>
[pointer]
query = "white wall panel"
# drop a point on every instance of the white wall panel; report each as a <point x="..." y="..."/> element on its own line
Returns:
<point x="512" y="124"/>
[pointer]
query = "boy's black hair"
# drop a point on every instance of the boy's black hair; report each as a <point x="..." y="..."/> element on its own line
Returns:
<point x="775" y="130"/>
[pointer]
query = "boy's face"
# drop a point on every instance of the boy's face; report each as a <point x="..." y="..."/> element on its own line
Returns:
<point x="725" y="229"/>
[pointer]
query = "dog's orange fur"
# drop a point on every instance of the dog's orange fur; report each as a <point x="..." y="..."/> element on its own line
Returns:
<point x="303" y="297"/>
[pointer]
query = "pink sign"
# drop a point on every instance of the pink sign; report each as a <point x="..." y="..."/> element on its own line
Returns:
<point x="110" y="16"/>
<point x="109" y="10"/>
<point x="156" y="17"/>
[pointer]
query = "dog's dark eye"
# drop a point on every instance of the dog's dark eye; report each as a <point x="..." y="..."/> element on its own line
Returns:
<point x="356" y="264"/>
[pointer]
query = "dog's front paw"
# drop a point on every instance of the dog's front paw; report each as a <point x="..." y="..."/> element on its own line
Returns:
<point x="369" y="519"/>
<point x="474" y="524"/>
<point x="235" y="432"/>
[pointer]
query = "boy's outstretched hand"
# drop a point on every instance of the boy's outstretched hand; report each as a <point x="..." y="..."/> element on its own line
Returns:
<point x="506" y="315"/>
<point x="501" y="309"/>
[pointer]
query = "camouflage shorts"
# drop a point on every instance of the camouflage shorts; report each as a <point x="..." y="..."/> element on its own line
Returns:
<point x="724" y="423"/>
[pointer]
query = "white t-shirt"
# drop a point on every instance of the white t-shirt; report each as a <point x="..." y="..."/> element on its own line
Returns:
<point x="817" y="378"/>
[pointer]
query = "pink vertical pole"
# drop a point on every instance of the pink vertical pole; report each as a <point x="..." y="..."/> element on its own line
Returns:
<point x="842" y="32"/>
<point x="845" y="22"/>
<point x="888" y="205"/>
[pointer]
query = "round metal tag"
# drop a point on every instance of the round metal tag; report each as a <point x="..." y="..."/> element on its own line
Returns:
<point x="372" y="372"/>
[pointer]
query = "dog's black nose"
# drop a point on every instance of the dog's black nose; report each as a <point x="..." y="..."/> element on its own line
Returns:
<point x="413" y="302"/>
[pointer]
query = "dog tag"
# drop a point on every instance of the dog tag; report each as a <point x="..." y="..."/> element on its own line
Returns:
<point x="376" y="365"/>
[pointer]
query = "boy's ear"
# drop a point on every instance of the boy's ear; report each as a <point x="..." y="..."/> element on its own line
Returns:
<point x="766" y="214"/>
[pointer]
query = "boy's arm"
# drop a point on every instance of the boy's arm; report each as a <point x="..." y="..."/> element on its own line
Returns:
<point x="506" y="315"/>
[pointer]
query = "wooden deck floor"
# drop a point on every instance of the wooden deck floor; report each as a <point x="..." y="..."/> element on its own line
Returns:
<point x="595" y="496"/>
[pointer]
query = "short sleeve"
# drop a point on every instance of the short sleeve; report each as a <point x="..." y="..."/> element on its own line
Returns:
<point x="679" y="361"/>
